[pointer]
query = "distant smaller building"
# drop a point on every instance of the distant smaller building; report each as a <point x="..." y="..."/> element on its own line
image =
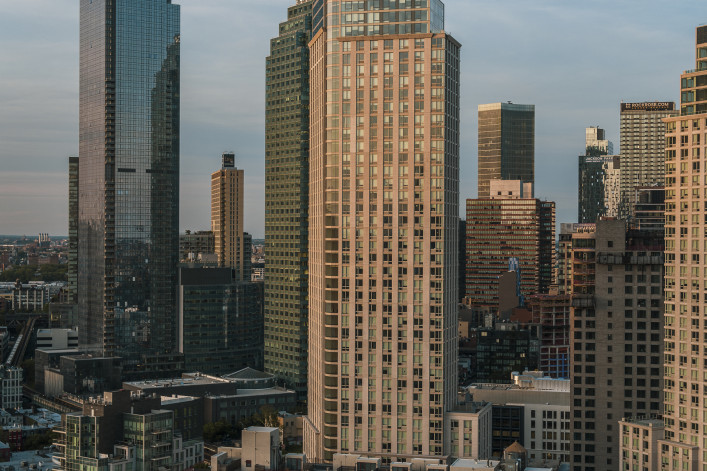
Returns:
<point x="468" y="428"/>
<point x="10" y="387"/>
<point x="639" y="443"/>
<point x="259" y="449"/>
<point x="57" y="338"/>
<point x="30" y="297"/>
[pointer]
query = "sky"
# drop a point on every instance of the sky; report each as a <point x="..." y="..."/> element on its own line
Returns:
<point x="574" y="60"/>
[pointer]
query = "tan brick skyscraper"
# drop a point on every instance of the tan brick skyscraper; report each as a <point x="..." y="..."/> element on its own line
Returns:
<point x="383" y="238"/>
<point x="227" y="215"/>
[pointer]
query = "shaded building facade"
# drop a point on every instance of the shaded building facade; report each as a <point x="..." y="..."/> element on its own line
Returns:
<point x="220" y="321"/>
<point x="617" y="337"/>
<point x="287" y="197"/>
<point x="128" y="245"/>
<point x="506" y="144"/>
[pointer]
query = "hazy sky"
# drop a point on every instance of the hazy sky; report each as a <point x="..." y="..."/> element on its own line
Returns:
<point x="575" y="60"/>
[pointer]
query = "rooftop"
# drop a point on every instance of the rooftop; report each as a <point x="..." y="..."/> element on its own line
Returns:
<point x="469" y="463"/>
<point x="248" y="373"/>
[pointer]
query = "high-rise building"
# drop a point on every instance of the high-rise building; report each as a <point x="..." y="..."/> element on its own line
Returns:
<point x="227" y="215"/>
<point x="599" y="189"/>
<point x="128" y="233"/>
<point x="220" y="321"/>
<point x="595" y="139"/>
<point x="509" y="224"/>
<point x="383" y="213"/>
<point x="617" y="337"/>
<point x="685" y="444"/>
<point x="287" y="198"/>
<point x="72" y="263"/>
<point x="506" y="144"/>
<point x="642" y="149"/>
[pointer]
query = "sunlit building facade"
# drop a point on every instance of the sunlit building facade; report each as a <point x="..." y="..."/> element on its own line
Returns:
<point x="383" y="217"/>
<point x="287" y="198"/>
<point x="685" y="444"/>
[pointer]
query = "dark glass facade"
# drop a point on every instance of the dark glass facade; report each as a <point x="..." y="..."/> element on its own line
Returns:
<point x="129" y="186"/>
<point x="287" y="199"/>
<point x="72" y="265"/>
<point x="220" y="321"/>
<point x="506" y="144"/>
<point x="599" y="181"/>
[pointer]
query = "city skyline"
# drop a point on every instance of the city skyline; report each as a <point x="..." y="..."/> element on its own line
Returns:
<point x="222" y="106"/>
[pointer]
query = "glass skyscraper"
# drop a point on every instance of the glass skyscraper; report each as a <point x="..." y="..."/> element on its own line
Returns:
<point x="129" y="177"/>
<point x="383" y="229"/>
<point x="506" y="144"/>
<point x="287" y="199"/>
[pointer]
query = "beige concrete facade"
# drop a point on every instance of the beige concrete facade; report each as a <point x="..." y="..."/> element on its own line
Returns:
<point x="640" y="449"/>
<point x="642" y="149"/>
<point x="383" y="215"/>
<point x="468" y="431"/>
<point x="616" y="337"/>
<point x="685" y="444"/>
<point x="227" y="218"/>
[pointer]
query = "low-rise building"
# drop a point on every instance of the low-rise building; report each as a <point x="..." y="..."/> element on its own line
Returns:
<point x="468" y="430"/>
<point x="30" y="297"/>
<point x="57" y="338"/>
<point x="640" y="449"/>
<point x="259" y="449"/>
<point x="10" y="387"/>
<point x="140" y="434"/>
<point x="534" y="410"/>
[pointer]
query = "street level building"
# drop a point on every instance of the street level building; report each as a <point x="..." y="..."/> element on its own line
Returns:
<point x="506" y="144"/>
<point x="383" y="213"/>
<point x="125" y="432"/>
<point x="640" y="443"/>
<point x="534" y="410"/>
<point x="287" y="98"/>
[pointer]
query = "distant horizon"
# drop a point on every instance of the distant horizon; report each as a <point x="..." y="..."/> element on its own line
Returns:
<point x="576" y="62"/>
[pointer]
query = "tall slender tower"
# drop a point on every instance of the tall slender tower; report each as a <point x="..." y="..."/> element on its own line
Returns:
<point x="685" y="444"/>
<point x="129" y="177"/>
<point x="383" y="217"/>
<point x="287" y="198"/>
<point x="506" y="144"/>
<point x="227" y="216"/>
